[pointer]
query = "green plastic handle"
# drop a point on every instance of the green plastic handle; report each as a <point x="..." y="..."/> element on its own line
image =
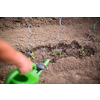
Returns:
<point x="15" y="72"/>
<point x="11" y="75"/>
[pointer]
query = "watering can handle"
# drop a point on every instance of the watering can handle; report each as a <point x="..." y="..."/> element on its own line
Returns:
<point x="15" y="72"/>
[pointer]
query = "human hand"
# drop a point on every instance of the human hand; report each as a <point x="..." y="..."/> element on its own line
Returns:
<point x="9" y="55"/>
<point x="24" y="64"/>
<point x="27" y="66"/>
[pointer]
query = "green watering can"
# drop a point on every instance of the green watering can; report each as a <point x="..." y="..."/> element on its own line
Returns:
<point x="32" y="77"/>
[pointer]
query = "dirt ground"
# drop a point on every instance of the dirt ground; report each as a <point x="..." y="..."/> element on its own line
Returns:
<point x="70" y="67"/>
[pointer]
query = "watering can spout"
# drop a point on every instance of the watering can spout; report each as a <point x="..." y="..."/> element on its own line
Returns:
<point x="45" y="63"/>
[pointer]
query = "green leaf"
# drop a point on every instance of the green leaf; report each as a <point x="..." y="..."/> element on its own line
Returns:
<point x="60" y="52"/>
<point x="82" y="51"/>
<point x="32" y="54"/>
<point x="54" y="53"/>
<point x="29" y="58"/>
<point x="79" y="49"/>
<point x="57" y="51"/>
<point x="33" y="57"/>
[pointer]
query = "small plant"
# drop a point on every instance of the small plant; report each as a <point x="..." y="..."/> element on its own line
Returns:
<point x="81" y="51"/>
<point x="58" y="53"/>
<point x="32" y="57"/>
<point x="29" y="58"/>
<point x="54" y="53"/>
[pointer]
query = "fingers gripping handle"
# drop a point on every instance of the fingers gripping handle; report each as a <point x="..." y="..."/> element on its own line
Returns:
<point x="14" y="73"/>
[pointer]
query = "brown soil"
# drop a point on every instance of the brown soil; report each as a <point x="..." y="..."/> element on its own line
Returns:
<point x="42" y="53"/>
<point x="69" y="67"/>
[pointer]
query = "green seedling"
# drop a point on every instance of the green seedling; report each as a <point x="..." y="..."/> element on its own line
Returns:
<point x="54" y="53"/>
<point x="31" y="56"/>
<point x="58" y="53"/>
<point x="81" y="51"/>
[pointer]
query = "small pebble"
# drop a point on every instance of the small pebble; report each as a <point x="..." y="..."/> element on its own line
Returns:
<point x="17" y="44"/>
<point x="42" y="43"/>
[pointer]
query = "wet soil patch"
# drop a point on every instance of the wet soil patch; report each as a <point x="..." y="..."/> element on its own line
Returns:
<point x="42" y="53"/>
